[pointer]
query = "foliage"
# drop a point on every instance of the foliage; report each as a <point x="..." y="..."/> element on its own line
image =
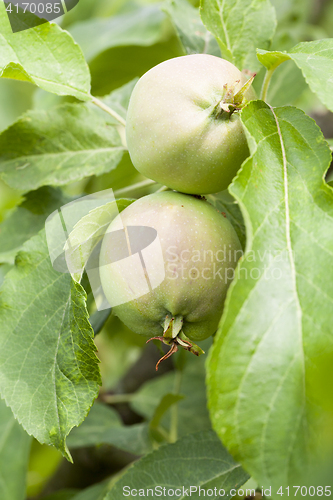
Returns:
<point x="64" y="93"/>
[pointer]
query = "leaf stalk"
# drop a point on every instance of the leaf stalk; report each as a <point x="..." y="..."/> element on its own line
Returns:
<point x="109" y="110"/>
<point x="266" y="82"/>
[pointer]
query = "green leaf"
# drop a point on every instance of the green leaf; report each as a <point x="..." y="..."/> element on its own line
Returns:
<point x="131" y="438"/>
<point x="107" y="69"/>
<point x="103" y="426"/>
<point x="211" y="467"/>
<point x="9" y="199"/>
<point x="148" y="397"/>
<point x="46" y="56"/>
<point x="166" y="402"/>
<point x="272" y="59"/>
<point x="229" y="207"/>
<point x="95" y="492"/>
<point x="315" y="59"/>
<point x="3" y="271"/>
<point x="297" y="11"/>
<point x="194" y="36"/>
<point x="49" y="372"/>
<point x="287" y="85"/>
<point x="240" y="28"/>
<point x="27" y="220"/>
<point x="192" y="409"/>
<point x="141" y="26"/>
<point x="277" y="320"/>
<point x="15" y="98"/>
<point x="58" y="146"/>
<point x="123" y="176"/>
<point x="99" y="421"/>
<point x="62" y="495"/>
<point x="98" y="320"/>
<point x="118" y="100"/>
<point x="14" y="456"/>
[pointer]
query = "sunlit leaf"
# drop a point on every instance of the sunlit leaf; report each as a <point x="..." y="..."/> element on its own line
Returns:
<point x="194" y="36"/>
<point x="240" y="28"/>
<point x="49" y="372"/>
<point x="277" y="320"/>
<point x="141" y="26"/>
<point x="46" y="56"/>
<point x="168" y="467"/>
<point x="315" y="59"/>
<point x="58" y="146"/>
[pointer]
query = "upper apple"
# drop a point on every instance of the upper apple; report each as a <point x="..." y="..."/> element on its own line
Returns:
<point x="179" y="130"/>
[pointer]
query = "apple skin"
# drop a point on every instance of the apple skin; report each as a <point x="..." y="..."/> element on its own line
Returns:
<point x="183" y="223"/>
<point x="172" y="132"/>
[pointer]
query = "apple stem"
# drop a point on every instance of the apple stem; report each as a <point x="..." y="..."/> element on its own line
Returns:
<point x="231" y="100"/>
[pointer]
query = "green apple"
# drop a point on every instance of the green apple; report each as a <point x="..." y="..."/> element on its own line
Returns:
<point x="183" y="127"/>
<point x="199" y="249"/>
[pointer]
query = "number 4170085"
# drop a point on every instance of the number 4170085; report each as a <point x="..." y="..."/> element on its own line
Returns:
<point x="312" y="491"/>
<point x="34" y="8"/>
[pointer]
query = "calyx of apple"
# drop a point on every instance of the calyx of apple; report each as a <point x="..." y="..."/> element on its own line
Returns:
<point x="175" y="337"/>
